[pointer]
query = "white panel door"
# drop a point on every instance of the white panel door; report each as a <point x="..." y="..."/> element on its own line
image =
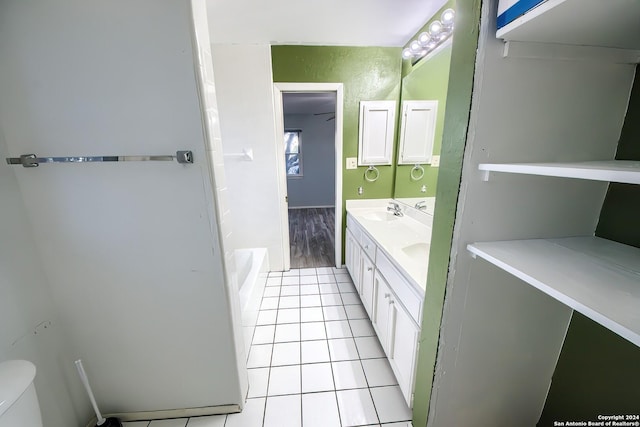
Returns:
<point x="377" y="125"/>
<point x="381" y="319"/>
<point x="402" y="348"/>
<point x="417" y="131"/>
<point x="366" y="284"/>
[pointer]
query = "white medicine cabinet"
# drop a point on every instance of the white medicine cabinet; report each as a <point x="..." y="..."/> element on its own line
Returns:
<point x="377" y="125"/>
<point x="417" y="131"/>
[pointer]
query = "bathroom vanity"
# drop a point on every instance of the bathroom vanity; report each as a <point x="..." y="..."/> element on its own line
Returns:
<point x="387" y="257"/>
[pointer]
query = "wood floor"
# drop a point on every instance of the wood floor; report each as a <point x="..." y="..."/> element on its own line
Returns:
<point x="311" y="237"/>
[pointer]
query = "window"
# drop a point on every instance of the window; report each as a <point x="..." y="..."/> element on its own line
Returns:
<point x="293" y="152"/>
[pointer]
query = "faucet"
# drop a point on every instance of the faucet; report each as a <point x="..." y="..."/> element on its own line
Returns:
<point x="395" y="208"/>
<point x="421" y="205"/>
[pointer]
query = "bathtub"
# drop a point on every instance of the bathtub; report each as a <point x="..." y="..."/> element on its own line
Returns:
<point x="251" y="268"/>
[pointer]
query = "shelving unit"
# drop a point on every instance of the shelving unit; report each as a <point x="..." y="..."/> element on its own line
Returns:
<point x="596" y="277"/>
<point x="623" y="171"/>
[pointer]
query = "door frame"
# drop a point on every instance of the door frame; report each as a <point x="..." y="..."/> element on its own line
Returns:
<point x="279" y="89"/>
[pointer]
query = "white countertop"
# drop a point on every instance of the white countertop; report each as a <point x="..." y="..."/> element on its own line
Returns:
<point x="405" y="240"/>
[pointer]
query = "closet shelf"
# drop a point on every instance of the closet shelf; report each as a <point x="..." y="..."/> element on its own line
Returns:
<point x="596" y="277"/>
<point x="624" y="171"/>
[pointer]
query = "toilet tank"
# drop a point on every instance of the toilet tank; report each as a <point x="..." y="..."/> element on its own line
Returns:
<point x="18" y="400"/>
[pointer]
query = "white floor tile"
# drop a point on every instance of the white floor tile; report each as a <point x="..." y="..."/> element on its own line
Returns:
<point x="309" y="290"/>
<point x="329" y="288"/>
<point x="260" y="356"/>
<point x="312" y="331"/>
<point x="348" y="374"/>
<point x="334" y="313"/>
<point x="145" y="423"/>
<point x="390" y="404"/>
<point x="342" y="269"/>
<point x="343" y="278"/>
<point x="263" y="334"/>
<point x="274" y="281"/>
<point x="289" y="302"/>
<point x="290" y="280"/>
<point x="308" y="272"/>
<point x="288" y="315"/>
<point x="291" y="273"/>
<point x="330" y="299"/>
<point x="355" y="312"/>
<point x="287" y="333"/>
<point x="369" y="347"/>
<point x="356" y="407"/>
<point x="351" y="298"/>
<point x="284" y="380"/>
<point x="378" y="372"/>
<point x="287" y="291"/>
<point x="324" y="270"/>
<point x="346" y="288"/>
<point x="282" y="411"/>
<point x="251" y="415"/>
<point x="320" y="410"/>
<point x="343" y="349"/>
<point x="310" y="301"/>
<point x="258" y="382"/>
<point x="315" y="351"/>
<point x="274" y="274"/>
<point x="177" y="422"/>
<point x="338" y="329"/>
<point x="311" y="314"/>
<point x="267" y="317"/>
<point x="403" y="424"/>
<point x="317" y="377"/>
<point x="308" y="280"/>
<point x="287" y="353"/>
<point x="362" y="328"/>
<point x="208" y="421"/>
<point x="273" y="291"/>
<point x="326" y="278"/>
<point x="269" y="303"/>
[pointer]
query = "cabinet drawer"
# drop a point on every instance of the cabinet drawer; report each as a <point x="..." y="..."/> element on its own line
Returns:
<point x="354" y="228"/>
<point x="409" y="299"/>
<point x="369" y="246"/>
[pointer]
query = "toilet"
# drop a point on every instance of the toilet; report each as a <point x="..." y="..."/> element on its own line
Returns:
<point x="18" y="400"/>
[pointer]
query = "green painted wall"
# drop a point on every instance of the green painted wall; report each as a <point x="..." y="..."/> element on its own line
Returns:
<point x="456" y="121"/>
<point x="428" y="80"/>
<point x="368" y="74"/>
<point x="598" y="372"/>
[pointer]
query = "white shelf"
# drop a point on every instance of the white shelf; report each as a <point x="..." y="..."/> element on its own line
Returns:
<point x="624" y="171"/>
<point x="596" y="277"/>
<point x="601" y="23"/>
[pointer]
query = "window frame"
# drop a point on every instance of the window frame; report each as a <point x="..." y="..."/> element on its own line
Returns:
<point x="300" y="174"/>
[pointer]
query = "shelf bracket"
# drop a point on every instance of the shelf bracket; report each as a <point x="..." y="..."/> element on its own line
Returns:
<point x="484" y="175"/>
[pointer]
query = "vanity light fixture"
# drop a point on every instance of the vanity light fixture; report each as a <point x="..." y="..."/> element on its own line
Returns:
<point x="439" y="31"/>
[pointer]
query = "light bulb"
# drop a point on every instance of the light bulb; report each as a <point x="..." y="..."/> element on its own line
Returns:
<point x="406" y="53"/>
<point x="424" y="38"/>
<point x="435" y="28"/>
<point x="415" y="47"/>
<point x="447" y="17"/>
<point x="432" y="45"/>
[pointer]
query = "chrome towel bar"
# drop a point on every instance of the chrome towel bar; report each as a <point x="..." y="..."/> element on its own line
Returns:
<point x="32" y="161"/>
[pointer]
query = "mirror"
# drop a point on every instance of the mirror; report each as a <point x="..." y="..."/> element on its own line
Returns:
<point x="426" y="80"/>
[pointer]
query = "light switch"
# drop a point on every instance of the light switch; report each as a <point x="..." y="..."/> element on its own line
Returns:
<point x="352" y="162"/>
<point x="435" y="161"/>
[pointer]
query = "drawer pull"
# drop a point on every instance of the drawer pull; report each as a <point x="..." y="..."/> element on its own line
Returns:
<point x="366" y="246"/>
<point x="369" y="268"/>
<point x="387" y="295"/>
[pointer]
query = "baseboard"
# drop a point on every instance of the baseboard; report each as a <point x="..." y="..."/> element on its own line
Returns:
<point x="171" y="413"/>
<point x="311" y="207"/>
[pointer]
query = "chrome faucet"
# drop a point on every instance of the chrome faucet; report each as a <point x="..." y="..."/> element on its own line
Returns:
<point x="395" y="208"/>
<point x="421" y="205"/>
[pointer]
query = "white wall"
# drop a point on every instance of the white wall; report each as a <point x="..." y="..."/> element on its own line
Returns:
<point x="26" y="306"/>
<point x="245" y="97"/>
<point x="131" y="250"/>
<point x="317" y="186"/>
<point x="500" y="338"/>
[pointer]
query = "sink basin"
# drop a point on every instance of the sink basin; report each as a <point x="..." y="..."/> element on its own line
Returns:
<point x="418" y="251"/>
<point x="379" y="216"/>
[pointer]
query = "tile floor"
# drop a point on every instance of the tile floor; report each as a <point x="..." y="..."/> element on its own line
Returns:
<point x="314" y="360"/>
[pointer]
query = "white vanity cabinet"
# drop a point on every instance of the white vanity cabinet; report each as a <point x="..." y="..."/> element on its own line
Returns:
<point x="392" y="303"/>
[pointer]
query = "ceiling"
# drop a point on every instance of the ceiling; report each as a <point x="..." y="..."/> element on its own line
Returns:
<point x="308" y="103"/>
<point x="312" y="22"/>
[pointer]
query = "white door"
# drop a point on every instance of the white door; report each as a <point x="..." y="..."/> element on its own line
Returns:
<point x="403" y="347"/>
<point x="366" y="285"/>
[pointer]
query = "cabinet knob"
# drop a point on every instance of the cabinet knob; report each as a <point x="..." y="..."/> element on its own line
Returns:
<point x="369" y="268"/>
<point x="392" y="302"/>
<point x="366" y="246"/>
<point x="387" y="295"/>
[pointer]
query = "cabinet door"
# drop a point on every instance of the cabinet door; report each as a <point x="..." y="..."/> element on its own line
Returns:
<point x="402" y="348"/>
<point x="377" y="126"/>
<point x="381" y="318"/>
<point x="417" y="131"/>
<point x="352" y="250"/>
<point x="366" y="284"/>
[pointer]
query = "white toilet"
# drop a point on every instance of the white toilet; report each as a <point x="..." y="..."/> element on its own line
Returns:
<point x="18" y="400"/>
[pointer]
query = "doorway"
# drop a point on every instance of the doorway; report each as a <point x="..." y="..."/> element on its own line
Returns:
<point x="309" y="138"/>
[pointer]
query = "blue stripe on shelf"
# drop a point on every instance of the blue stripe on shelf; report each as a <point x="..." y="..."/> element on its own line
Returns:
<point x="517" y="10"/>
